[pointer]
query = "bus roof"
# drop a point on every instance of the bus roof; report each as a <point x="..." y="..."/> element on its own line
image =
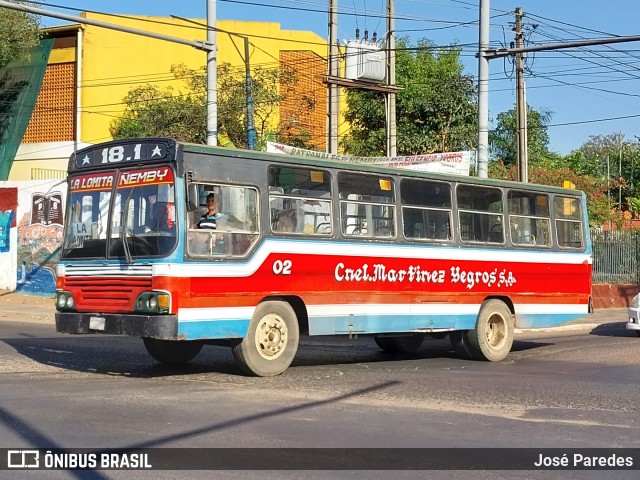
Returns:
<point x="327" y="163"/>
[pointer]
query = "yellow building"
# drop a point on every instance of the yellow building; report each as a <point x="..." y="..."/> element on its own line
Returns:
<point x="91" y="69"/>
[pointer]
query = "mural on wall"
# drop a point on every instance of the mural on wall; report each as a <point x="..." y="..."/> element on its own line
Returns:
<point x="40" y="232"/>
<point x="8" y="206"/>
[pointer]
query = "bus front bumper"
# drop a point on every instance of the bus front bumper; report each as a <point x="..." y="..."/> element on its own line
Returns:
<point x="163" y="327"/>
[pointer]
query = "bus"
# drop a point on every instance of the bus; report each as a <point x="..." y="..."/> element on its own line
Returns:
<point x="304" y="246"/>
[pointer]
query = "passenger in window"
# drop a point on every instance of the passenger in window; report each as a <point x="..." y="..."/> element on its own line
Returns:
<point x="209" y="219"/>
<point x="286" y="221"/>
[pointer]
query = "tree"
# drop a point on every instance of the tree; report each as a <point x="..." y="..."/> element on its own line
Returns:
<point x="153" y="111"/>
<point x="503" y="139"/>
<point x="435" y="108"/>
<point x="613" y="159"/>
<point x="598" y="207"/>
<point x="19" y="33"/>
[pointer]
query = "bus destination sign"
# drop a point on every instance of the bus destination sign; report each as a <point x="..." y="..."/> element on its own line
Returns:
<point x="129" y="151"/>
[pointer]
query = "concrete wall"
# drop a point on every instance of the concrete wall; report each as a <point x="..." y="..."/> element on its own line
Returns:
<point x="613" y="296"/>
<point x="31" y="247"/>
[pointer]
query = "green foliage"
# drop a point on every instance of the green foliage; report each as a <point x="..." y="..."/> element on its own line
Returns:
<point x="614" y="158"/>
<point x="503" y="139"/>
<point x="152" y="111"/>
<point x="598" y="205"/>
<point x="435" y="108"/>
<point x="155" y="112"/>
<point x="19" y="33"/>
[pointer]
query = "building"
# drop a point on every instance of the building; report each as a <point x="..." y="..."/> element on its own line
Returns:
<point x="91" y="69"/>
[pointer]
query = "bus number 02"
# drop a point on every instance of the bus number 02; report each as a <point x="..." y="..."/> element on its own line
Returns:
<point x="282" y="267"/>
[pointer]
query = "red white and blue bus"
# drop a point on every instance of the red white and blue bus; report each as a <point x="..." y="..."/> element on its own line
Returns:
<point x="310" y="247"/>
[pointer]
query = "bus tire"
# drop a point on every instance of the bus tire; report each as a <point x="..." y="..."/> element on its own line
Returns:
<point x="400" y="344"/>
<point x="459" y="344"/>
<point x="493" y="336"/>
<point x="172" y="352"/>
<point x="271" y="341"/>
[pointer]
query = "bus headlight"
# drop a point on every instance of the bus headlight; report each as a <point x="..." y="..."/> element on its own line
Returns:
<point x="65" y="301"/>
<point x="153" y="302"/>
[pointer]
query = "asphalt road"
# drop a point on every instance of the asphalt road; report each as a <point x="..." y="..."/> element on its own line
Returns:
<point x="563" y="389"/>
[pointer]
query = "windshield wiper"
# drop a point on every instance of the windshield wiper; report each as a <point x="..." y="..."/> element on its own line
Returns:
<point x="123" y="233"/>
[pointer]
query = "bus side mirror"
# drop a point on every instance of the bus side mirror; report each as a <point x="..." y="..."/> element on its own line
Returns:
<point x="192" y="197"/>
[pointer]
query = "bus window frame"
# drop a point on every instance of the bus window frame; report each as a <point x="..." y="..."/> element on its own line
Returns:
<point x="193" y="216"/>
<point x="345" y="202"/>
<point x="567" y="220"/>
<point x="518" y="216"/>
<point x="407" y="205"/>
<point x="474" y="212"/>
<point x="280" y="215"/>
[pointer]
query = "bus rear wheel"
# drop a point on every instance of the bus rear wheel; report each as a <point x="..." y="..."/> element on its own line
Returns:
<point x="493" y="336"/>
<point x="271" y="341"/>
<point x="400" y="344"/>
<point x="459" y="343"/>
<point x="172" y="352"/>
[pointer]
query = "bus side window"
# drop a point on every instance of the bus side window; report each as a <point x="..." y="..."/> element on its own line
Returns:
<point x="426" y="211"/>
<point x="480" y="212"/>
<point x="569" y="231"/>
<point x="232" y="229"/>
<point x="529" y="218"/>
<point x="300" y="200"/>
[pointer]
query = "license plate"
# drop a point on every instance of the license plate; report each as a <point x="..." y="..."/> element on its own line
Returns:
<point x="96" y="323"/>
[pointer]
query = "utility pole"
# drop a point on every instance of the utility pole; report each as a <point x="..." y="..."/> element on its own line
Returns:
<point x="521" y="104"/>
<point x="212" y="76"/>
<point x="334" y="71"/>
<point x="482" y="159"/>
<point x="620" y="171"/>
<point x="251" y="128"/>
<point x="608" y="188"/>
<point x="391" y="81"/>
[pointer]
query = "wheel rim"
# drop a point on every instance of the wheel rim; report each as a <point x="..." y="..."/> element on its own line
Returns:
<point x="271" y="336"/>
<point x="496" y="331"/>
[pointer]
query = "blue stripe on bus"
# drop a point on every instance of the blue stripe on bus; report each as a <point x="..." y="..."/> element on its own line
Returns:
<point x="542" y="320"/>
<point x="388" y="324"/>
<point x="203" y="329"/>
<point x="364" y="324"/>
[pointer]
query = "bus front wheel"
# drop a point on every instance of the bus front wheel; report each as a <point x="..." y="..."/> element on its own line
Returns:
<point x="172" y="352"/>
<point x="493" y="336"/>
<point x="271" y="341"/>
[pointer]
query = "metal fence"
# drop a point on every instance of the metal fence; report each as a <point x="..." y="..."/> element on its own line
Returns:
<point x="616" y="256"/>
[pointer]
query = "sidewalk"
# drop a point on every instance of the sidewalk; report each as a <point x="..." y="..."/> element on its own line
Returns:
<point x="19" y="307"/>
<point x="35" y="309"/>
<point x="588" y="322"/>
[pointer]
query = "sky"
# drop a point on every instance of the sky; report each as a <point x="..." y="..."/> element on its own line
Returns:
<point x="588" y="90"/>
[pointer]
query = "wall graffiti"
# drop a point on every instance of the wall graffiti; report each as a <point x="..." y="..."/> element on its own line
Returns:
<point x="8" y="206"/>
<point x="6" y="220"/>
<point x="40" y="232"/>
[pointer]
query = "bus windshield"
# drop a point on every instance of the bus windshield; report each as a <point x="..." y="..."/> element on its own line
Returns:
<point x="141" y="211"/>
